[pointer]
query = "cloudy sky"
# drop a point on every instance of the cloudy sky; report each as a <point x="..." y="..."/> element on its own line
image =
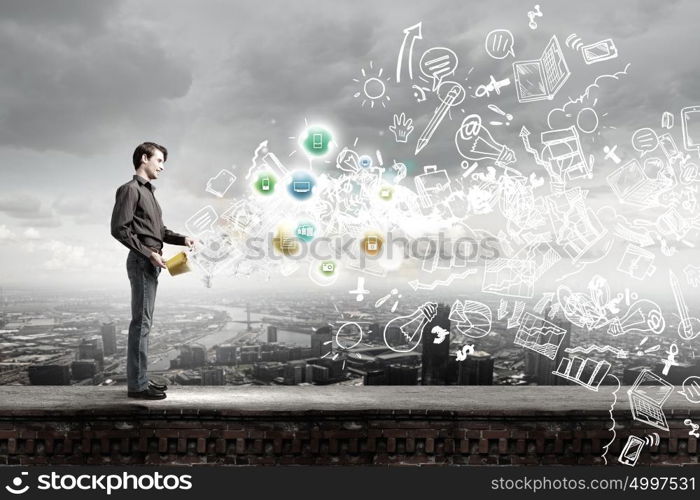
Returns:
<point x="83" y="82"/>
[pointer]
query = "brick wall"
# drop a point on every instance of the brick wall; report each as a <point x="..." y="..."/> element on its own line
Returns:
<point x="118" y="432"/>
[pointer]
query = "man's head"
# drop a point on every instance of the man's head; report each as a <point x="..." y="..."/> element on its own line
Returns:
<point x="149" y="159"/>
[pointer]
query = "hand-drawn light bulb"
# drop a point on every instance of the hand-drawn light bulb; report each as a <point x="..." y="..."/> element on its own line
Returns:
<point x="643" y="317"/>
<point x="411" y="328"/>
<point x="474" y="142"/>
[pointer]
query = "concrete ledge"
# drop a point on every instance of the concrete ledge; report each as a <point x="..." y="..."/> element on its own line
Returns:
<point x="332" y="425"/>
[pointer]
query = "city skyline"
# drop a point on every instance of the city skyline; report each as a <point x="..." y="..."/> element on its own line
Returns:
<point x="41" y="332"/>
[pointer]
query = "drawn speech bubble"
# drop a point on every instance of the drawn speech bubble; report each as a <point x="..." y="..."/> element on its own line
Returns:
<point x="691" y="389"/>
<point x="499" y="44"/>
<point x="437" y="63"/>
<point x="645" y="140"/>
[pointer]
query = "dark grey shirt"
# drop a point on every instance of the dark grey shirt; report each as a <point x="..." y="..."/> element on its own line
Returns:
<point x="137" y="220"/>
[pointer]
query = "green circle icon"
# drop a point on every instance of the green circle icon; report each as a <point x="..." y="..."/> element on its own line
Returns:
<point x="265" y="183"/>
<point x="317" y="140"/>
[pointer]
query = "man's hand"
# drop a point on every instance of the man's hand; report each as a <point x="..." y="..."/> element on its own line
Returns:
<point x="157" y="260"/>
<point x="190" y="242"/>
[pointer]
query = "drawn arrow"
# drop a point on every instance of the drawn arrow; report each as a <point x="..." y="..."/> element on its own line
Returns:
<point x="525" y="136"/>
<point x="411" y="34"/>
<point x="415" y="284"/>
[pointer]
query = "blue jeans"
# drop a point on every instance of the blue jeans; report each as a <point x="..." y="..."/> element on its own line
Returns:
<point x="144" y="282"/>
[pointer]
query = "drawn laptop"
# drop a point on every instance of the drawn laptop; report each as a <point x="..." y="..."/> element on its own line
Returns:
<point x="632" y="185"/>
<point x="541" y="78"/>
<point x="647" y="396"/>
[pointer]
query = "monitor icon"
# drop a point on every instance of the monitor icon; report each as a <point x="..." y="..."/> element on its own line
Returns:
<point x="301" y="186"/>
<point x="647" y="396"/>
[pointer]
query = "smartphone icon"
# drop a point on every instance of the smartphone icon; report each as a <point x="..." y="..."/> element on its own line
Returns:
<point x="265" y="183"/>
<point x="631" y="451"/>
<point x="668" y="146"/>
<point x="317" y="141"/>
<point x="599" y="51"/>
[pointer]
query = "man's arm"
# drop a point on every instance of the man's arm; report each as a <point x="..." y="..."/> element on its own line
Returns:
<point x="122" y="215"/>
<point x="173" y="238"/>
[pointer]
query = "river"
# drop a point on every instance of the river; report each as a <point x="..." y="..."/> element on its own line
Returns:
<point x="232" y="330"/>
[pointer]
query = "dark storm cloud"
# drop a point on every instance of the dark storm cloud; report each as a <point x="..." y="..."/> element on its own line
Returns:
<point x="76" y="76"/>
<point x="211" y="80"/>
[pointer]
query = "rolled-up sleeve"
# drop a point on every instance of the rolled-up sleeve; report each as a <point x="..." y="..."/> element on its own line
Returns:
<point x="122" y="218"/>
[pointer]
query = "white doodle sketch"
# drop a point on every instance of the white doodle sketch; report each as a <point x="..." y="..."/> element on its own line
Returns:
<point x="541" y="78"/>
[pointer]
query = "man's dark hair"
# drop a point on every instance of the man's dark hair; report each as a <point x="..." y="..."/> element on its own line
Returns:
<point x="148" y="149"/>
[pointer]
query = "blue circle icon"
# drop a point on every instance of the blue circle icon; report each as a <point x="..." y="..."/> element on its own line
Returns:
<point x="301" y="185"/>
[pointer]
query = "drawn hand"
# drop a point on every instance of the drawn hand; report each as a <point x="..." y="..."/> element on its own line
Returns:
<point x="402" y="127"/>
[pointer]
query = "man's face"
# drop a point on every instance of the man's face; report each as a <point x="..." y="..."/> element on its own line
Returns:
<point x="154" y="164"/>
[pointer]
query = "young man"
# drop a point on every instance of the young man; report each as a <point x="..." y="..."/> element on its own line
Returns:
<point x="137" y="222"/>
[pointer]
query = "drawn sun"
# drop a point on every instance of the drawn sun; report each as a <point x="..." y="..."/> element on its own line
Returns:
<point x="372" y="87"/>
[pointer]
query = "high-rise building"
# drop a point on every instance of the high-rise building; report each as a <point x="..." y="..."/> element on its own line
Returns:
<point x="213" y="376"/>
<point x="294" y="372"/>
<point x="250" y="354"/>
<point x="49" y="375"/>
<point x="436" y="355"/>
<point x="320" y="374"/>
<point x="400" y="374"/>
<point x="91" y="348"/>
<point x="226" y="354"/>
<point x="453" y="370"/>
<point x="334" y="366"/>
<point x="322" y="340"/>
<point x="477" y="369"/>
<point x="191" y="356"/>
<point x="374" y="377"/>
<point x="83" y="368"/>
<point x="267" y="372"/>
<point x="109" y="338"/>
<point x="271" y="334"/>
<point x="199" y="355"/>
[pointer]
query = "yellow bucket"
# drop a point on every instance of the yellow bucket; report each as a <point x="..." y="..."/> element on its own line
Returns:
<point x="178" y="264"/>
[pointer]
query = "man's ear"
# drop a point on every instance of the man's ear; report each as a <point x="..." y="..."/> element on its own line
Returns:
<point x="144" y="158"/>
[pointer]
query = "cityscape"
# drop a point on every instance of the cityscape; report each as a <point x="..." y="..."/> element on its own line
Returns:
<point x="54" y="338"/>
